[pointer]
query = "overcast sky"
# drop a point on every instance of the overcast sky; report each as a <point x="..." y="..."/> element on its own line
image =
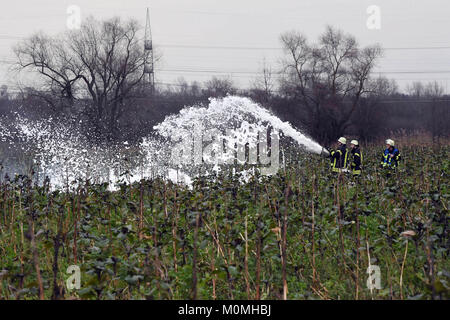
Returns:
<point x="415" y="33"/>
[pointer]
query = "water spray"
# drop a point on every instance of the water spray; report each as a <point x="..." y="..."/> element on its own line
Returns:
<point x="324" y="153"/>
<point x="61" y="152"/>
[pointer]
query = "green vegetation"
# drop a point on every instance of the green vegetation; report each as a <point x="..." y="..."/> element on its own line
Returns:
<point x="225" y="240"/>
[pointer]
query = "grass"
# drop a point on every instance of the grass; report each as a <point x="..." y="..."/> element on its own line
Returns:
<point x="302" y="234"/>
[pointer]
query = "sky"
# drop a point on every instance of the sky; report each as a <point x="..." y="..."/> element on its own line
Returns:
<point x="198" y="39"/>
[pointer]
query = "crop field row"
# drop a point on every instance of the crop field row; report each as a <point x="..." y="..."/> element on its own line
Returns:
<point x="301" y="234"/>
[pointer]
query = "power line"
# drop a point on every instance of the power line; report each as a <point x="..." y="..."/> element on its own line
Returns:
<point x="186" y="46"/>
<point x="281" y="48"/>
<point x="252" y="72"/>
<point x="7" y="37"/>
<point x="412" y="72"/>
<point x="279" y="73"/>
<point x="217" y="47"/>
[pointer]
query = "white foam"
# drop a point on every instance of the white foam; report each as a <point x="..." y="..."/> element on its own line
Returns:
<point x="64" y="155"/>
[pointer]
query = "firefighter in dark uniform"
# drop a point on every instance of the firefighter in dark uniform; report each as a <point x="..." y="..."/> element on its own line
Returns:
<point x="391" y="156"/>
<point x="339" y="157"/>
<point x="357" y="158"/>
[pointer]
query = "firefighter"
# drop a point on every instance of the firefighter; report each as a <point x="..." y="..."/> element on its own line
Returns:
<point x="391" y="156"/>
<point x="339" y="157"/>
<point x="357" y="158"/>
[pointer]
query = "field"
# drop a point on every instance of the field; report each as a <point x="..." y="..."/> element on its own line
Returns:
<point x="302" y="234"/>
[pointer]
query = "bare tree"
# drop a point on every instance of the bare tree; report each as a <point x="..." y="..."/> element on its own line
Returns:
<point x="328" y="78"/>
<point x="103" y="62"/>
<point x="219" y="87"/>
<point x="263" y="85"/>
<point x="111" y="58"/>
<point x="48" y="58"/>
<point x="438" y="111"/>
<point x="4" y="92"/>
<point x="368" y="118"/>
<point x="416" y="89"/>
<point x="433" y="90"/>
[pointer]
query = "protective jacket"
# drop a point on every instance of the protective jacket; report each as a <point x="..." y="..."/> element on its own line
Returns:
<point x="339" y="158"/>
<point x="391" y="158"/>
<point x="357" y="159"/>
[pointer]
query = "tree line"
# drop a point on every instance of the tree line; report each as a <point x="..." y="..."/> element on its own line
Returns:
<point x="326" y="87"/>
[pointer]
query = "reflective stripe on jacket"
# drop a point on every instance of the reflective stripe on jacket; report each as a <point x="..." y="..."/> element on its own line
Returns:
<point x="339" y="158"/>
<point x="356" y="161"/>
<point x="390" y="158"/>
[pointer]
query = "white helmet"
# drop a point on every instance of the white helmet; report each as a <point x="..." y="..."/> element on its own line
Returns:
<point x="355" y="142"/>
<point x="342" y="140"/>
<point x="390" y="142"/>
